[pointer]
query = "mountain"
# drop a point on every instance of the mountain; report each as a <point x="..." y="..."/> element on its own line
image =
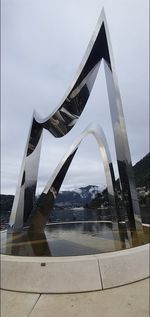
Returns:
<point x="77" y="197"/>
<point x="6" y="202"/>
<point x="84" y="195"/>
<point x="142" y="172"/>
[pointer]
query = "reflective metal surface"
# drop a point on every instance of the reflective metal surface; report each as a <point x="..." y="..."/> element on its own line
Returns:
<point x="25" y="194"/>
<point x="63" y="119"/>
<point x="46" y="201"/>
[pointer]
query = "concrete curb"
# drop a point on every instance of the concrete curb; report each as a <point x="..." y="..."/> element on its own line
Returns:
<point x="75" y="273"/>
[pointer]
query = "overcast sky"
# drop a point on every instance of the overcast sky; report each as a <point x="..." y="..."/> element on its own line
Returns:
<point x="43" y="43"/>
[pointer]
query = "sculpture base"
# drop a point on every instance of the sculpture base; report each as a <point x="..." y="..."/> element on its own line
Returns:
<point x="34" y="267"/>
<point x="74" y="274"/>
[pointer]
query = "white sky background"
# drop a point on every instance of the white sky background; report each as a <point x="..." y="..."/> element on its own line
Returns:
<point x="43" y="43"/>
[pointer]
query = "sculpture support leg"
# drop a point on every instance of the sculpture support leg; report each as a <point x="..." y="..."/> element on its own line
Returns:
<point x="25" y="194"/>
<point x="129" y="193"/>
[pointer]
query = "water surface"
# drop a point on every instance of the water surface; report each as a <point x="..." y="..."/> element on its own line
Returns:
<point x="71" y="238"/>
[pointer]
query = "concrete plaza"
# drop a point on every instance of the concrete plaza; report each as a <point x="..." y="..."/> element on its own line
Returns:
<point x="131" y="300"/>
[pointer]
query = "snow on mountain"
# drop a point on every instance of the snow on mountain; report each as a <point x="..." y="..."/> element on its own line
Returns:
<point x="78" y="196"/>
<point x="94" y="190"/>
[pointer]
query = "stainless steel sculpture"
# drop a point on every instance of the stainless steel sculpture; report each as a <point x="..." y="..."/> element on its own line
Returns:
<point x="63" y="119"/>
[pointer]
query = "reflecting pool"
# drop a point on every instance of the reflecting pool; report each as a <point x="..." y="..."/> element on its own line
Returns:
<point x="71" y="239"/>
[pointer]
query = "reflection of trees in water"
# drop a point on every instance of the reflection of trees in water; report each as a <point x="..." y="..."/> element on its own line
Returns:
<point x="96" y="227"/>
<point x="59" y="215"/>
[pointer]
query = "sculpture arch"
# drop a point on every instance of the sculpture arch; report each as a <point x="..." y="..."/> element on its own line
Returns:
<point x="47" y="198"/>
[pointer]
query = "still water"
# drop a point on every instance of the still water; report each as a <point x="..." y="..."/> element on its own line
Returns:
<point x="71" y="238"/>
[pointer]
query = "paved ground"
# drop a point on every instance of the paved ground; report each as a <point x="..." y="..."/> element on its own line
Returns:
<point x="126" y="301"/>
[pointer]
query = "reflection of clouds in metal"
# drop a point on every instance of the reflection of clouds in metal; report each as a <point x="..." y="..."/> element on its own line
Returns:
<point x="47" y="198"/>
<point x="63" y="119"/>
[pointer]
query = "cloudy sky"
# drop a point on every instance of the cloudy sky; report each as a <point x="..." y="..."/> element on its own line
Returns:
<point x="43" y="42"/>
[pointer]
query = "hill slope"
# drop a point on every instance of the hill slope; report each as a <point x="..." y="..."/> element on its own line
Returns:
<point x="142" y="172"/>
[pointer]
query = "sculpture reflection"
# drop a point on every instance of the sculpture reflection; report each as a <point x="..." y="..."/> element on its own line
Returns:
<point x="88" y="237"/>
<point x="26" y="244"/>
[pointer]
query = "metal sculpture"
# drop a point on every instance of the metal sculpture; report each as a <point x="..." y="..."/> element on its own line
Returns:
<point x="63" y="119"/>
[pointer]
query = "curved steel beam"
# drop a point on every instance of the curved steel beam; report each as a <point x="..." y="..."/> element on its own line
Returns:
<point x="63" y="119"/>
<point x="46" y="201"/>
